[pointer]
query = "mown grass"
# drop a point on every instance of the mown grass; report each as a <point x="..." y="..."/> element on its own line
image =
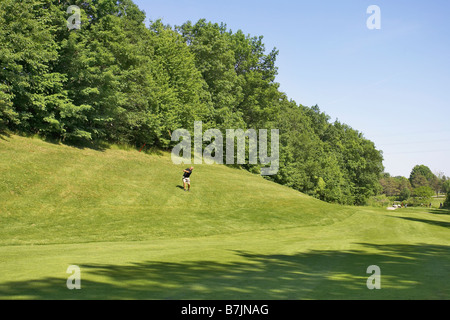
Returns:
<point x="123" y="217"/>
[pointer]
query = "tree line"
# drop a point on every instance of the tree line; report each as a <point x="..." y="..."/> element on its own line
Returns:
<point x="118" y="80"/>
<point x="421" y="185"/>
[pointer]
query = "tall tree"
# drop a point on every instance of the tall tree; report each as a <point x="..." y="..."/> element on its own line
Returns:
<point x="216" y="61"/>
<point x="420" y="176"/>
<point x="32" y="97"/>
<point x="192" y="101"/>
<point x="447" y="201"/>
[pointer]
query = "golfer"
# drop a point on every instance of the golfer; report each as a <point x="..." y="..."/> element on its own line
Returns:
<point x="187" y="178"/>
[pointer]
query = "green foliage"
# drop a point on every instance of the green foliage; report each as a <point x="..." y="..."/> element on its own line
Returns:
<point x="31" y="94"/>
<point x="381" y="201"/>
<point x="447" y="201"/>
<point x="422" y="185"/>
<point x="405" y="194"/>
<point x="446" y="186"/>
<point x="421" y="176"/>
<point x="187" y="98"/>
<point x="396" y="186"/>
<point x="423" y="192"/>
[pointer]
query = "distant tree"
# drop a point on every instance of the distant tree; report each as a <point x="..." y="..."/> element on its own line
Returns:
<point x="436" y="184"/>
<point x="215" y="59"/>
<point x="423" y="192"/>
<point x="421" y="176"/>
<point x="419" y="180"/>
<point x="7" y="113"/>
<point x="394" y="186"/>
<point x="385" y="175"/>
<point x="446" y="186"/>
<point x="439" y="185"/>
<point x="405" y="194"/>
<point x="447" y="201"/>
<point x="388" y="187"/>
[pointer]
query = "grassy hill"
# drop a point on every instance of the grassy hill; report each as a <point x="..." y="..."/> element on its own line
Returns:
<point x="123" y="218"/>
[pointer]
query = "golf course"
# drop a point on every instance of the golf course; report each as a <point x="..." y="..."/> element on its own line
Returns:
<point x="123" y="218"/>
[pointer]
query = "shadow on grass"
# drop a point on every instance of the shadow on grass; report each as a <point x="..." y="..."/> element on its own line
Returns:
<point x="408" y="272"/>
<point x="431" y="222"/>
<point x="440" y="211"/>
<point x="78" y="144"/>
<point x="4" y="135"/>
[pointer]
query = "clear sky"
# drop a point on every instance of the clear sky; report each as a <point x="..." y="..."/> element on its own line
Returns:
<point x="391" y="84"/>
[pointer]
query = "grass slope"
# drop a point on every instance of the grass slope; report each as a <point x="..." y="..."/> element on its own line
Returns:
<point x="122" y="217"/>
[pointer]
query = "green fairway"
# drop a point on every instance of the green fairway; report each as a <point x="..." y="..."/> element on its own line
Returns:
<point x="123" y="218"/>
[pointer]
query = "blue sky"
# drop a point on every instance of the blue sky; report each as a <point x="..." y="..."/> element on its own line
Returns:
<point x="392" y="84"/>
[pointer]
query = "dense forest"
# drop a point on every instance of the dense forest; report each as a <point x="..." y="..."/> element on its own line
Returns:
<point x="121" y="79"/>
